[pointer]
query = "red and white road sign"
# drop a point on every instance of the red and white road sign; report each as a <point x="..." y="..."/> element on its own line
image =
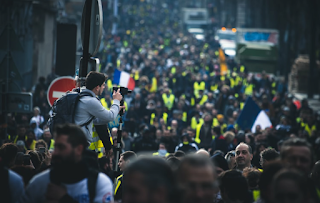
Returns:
<point x="59" y="87"/>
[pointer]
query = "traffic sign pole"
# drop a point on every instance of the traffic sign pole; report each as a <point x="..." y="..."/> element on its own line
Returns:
<point x="86" y="39"/>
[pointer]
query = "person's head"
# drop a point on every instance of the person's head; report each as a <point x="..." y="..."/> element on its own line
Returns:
<point x="197" y="178"/>
<point x="268" y="155"/>
<point x="179" y="154"/>
<point x="33" y="123"/>
<point x="297" y="153"/>
<point x="70" y="144"/>
<point x="243" y="156"/>
<point x="36" y="111"/>
<point x="230" y="158"/>
<point x="125" y="159"/>
<point x="229" y="136"/>
<point x="290" y="186"/>
<point x="220" y="118"/>
<point x="41" y="143"/>
<point x="207" y="119"/>
<point x="233" y="187"/>
<point x="114" y="132"/>
<point x="30" y="135"/>
<point x="8" y="152"/>
<point x="220" y="163"/>
<point x="252" y="175"/>
<point x="21" y="130"/>
<point x="95" y="82"/>
<point x="47" y="135"/>
<point x="149" y="180"/>
<point x="203" y="152"/>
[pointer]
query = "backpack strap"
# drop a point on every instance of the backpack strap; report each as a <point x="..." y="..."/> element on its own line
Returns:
<point x="81" y="94"/>
<point x="92" y="183"/>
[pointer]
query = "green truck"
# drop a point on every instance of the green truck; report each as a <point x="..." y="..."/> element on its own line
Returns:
<point x="257" y="49"/>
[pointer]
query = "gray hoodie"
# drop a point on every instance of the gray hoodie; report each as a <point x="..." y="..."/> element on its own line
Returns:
<point x="89" y="107"/>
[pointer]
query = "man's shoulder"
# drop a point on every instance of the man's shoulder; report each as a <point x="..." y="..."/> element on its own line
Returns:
<point x="14" y="177"/>
<point x="41" y="177"/>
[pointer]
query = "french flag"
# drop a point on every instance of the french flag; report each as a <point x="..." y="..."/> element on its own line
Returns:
<point x="123" y="79"/>
<point x="251" y="116"/>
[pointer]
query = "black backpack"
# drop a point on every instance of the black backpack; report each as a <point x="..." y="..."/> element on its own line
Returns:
<point x="64" y="108"/>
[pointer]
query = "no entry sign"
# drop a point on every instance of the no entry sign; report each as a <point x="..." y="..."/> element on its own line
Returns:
<point x="59" y="87"/>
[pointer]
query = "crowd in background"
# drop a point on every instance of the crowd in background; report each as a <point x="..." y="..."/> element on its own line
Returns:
<point x="181" y="104"/>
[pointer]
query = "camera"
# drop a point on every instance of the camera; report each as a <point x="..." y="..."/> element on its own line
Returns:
<point x="123" y="90"/>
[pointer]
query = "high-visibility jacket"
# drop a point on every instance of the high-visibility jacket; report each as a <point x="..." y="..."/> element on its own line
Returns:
<point x="168" y="101"/>
<point x="214" y="87"/>
<point x="309" y="129"/>
<point x="96" y="143"/>
<point x="273" y="88"/>
<point x="51" y="145"/>
<point x="215" y="122"/>
<point x="154" y="86"/>
<point x="198" y="130"/>
<point x="203" y="99"/>
<point x="109" y="84"/>
<point x="194" y="122"/>
<point x="242" y="68"/>
<point x="198" y="86"/>
<point x="136" y="75"/>
<point x="164" y="116"/>
<point x="157" y="154"/>
<point x="184" y="116"/>
<point x="105" y="103"/>
<point x="118" y="188"/>
<point x="256" y="195"/>
<point x="249" y="90"/>
<point x="32" y="145"/>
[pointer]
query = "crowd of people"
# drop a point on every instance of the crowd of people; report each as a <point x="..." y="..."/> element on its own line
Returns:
<point x="181" y="141"/>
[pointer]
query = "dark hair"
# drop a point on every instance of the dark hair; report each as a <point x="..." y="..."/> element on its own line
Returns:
<point x="42" y="142"/>
<point x="252" y="175"/>
<point x="179" y="153"/>
<point x="156" y="173"/>
<point x="234" y="185"/>
<point x="249" y="147"/>
<point x="294" y="175"/>
<point x="174" y="163"/>
<point x="128" y="155"/>
<point x="295" y="142"/>
<point x="8" y="152"/>
<point x="269" y="154"/>
<point x="195" y="161"/>
<point x="95" y="79"/>
<point x="75" y="134"/>
<point x="266" y="177"/>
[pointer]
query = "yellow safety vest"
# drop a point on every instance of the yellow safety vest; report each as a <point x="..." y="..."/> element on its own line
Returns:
<point x="192" y="102"/>
<point x="214" y="87"/>
<point x="197" y="138"/>
<point x="96" y="143"/>
<point x="215" y="122"/>
<point x="164" y="116"/>
<point x="154" y="86"/>
<point x="168" y="101"/>
<point x="242" y="68"/>
<point x="307" y="128"/>
<point x="109" y="84"/>
<point x="136" y="75"/>
<point x="256" y="194"/>
<point x="118" y="183"/>
<point x="51" y="144"/>
<point x="184" y="116"/>
<point x="203" y="99"/>
<point x="32" y="146"/>
<point x="249" y="90"/>
<point x="194" y="122"/>
<point x="241" y="105"/>
<point x="197" y="87"/>
<point x="157" y="154"/>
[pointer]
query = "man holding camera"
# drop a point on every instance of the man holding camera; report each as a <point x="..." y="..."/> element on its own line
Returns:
<point x="90" y="110"/>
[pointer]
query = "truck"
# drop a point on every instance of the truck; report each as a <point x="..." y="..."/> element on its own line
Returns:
<point x="257" y="49"/>
<point x="195" y="21"/>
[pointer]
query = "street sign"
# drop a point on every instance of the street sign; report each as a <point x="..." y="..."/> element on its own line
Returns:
<point x="96" y="21"/>
<point x="17" y="102"/>
<point x="59" y="87"/>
